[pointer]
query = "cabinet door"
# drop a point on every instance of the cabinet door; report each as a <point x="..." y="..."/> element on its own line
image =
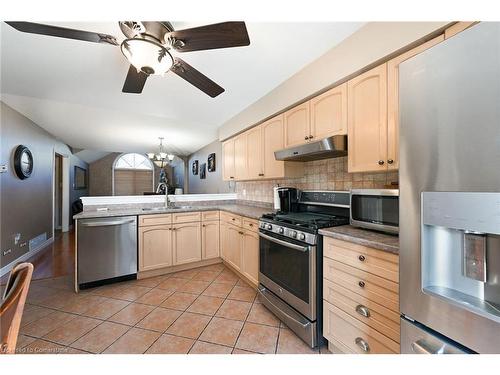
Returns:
<point x="297" y="128"/>
<point x="367" y="121"/>
<point x="233" y="246"/>
<point x="187" y="243"/>
<point x="224" y="240"/>
<point x="228" y="160"/>
<point x="250" y="256"/>
<point x="329" y="113"/>
<point x="210" y="239"/>
<point x="457" y="28"/>
<point x="254" y="154"/>
<point x="240" y="157"/>
<point x="155" y="247"/>
<point x="393" y="100"/>
<point x="273" y="140"/>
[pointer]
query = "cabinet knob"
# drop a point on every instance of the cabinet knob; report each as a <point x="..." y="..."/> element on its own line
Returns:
<point x="362" y="344"/>
<point x="261" y="174"/>
<point x="361" y="284"/>
<point x="390" y="161"/>
<point x="311" y="137"/>
<point x="306" y="137"/>
<point x="233" y="219"/>
<point x="231" y="177"/>
<point x="361" y="258"/>
<point x="380" y="162"/>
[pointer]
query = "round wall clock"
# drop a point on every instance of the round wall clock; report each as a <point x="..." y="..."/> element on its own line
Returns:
<point x="23" y="162"/>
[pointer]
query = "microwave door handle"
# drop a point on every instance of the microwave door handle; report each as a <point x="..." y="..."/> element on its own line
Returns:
<point x="304" y="249"/>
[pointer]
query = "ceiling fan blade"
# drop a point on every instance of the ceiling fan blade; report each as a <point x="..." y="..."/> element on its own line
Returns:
<point x="218" y="35"/>
<point x="196" y="78"/>
<point x="62" y="32"/>
<point x="134" y="83"/>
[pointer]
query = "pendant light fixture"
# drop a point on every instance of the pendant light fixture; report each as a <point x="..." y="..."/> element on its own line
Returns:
<point x="161" y="158"/>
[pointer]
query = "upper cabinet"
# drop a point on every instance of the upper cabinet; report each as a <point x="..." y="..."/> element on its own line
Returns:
<point x="272" y="140"/>
<point x="393" y="100"/>
<point x="254" y="155"/>
<point x="228" y="160"/>
<point x="297" y="129"/>
<point x="457" y="28"/>
<point x="240" y="157"/>
<point x="329" y="113"/>
<point x="367" y="121"/>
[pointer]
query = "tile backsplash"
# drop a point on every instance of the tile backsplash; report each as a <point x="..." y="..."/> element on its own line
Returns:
<point x="328" y="174"/>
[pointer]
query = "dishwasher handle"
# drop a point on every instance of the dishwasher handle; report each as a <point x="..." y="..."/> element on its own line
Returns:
<point x="103" y="223"/>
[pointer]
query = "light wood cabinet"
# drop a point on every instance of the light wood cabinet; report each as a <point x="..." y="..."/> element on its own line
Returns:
<point x="155" y="247"/>
<point x="186" y="243"/>
<point x="393" y="100"/>
<point x="210" y="234"/>
<point x="155" y="219"/>
<point x="250" y="255"/>
<point x="296" y="122"/>
<point x="360" y="298"/>
<point x="228" y="160"/>
<point x="186" y="217"/>
<point x="329" y="113"/>
<point x="367" y="121"/>
<point x="240" y="157"/>
<point x="254" y="156"/>
<point x="273" y="140"/>
<point x="457" y="28"/>
<point x="232" y="245"/>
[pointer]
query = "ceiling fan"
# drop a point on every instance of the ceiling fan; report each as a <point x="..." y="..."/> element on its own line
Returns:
<point x="149" y="45"/>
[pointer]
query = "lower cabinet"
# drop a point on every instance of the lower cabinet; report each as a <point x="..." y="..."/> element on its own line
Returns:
<point x="210" y="235"/>
<point x="250" y="256"/>
<point x="186" y="243"/>
<point x="232" y="245"/>
<point x="155" y="247"/>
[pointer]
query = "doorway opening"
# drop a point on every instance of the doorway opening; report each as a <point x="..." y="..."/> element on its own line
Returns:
<point x="58" y="194"/>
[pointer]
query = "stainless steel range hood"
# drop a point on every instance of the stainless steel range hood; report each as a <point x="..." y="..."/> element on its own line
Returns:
<point x="331" y="147"/>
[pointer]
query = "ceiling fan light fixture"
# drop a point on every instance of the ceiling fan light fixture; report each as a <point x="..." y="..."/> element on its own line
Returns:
<point x="147" y="56"/>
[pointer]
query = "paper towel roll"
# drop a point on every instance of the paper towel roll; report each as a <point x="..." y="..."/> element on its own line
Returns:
<point x="276" y="198"/>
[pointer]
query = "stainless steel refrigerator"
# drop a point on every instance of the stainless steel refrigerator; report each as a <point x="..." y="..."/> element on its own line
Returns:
<point x="450" y="195"/>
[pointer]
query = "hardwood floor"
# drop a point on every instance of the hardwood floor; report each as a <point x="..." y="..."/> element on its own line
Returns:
<point x="57" y="259"/>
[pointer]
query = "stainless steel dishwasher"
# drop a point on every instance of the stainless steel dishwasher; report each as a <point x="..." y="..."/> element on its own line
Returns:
<point x="107" y="250"/>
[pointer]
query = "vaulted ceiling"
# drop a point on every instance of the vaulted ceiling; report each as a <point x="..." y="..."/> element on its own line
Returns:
<point x="73" y="88"/>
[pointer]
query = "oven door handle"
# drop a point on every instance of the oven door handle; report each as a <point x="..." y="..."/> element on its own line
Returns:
<point x="304" y="249"/>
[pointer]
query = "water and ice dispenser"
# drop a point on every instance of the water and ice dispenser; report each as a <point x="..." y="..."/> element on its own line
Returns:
<point x="461" y="249"/>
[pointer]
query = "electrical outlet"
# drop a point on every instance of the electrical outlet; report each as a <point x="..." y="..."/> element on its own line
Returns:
<point x="8" y="251"/>
<point x="17" y="238"/>
<point x="3" y="168"/>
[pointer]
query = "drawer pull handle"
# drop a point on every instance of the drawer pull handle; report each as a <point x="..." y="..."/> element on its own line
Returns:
<point x="363" y="310"/>
<point x="362" y="344"/>
<point x="361" y="284"/>
<point x="233" y="219"/>
<point x="361" y="258"/>
<point x="251" y="224"/>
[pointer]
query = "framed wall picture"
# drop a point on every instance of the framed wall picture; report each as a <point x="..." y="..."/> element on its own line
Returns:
<point x="194" y="167"/>
<point x="211" y="162"/>
<point x="203" y="171"/>
<point x="80" y="181"/>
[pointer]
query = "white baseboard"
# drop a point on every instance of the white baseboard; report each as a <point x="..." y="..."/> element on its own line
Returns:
<point x="6" y="269"/>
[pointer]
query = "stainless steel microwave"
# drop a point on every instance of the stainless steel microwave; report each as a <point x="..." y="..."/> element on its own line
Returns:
<point x="376" y="209"/>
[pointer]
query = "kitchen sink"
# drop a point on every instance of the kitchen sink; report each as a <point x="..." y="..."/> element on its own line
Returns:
<point x="153" y="209"/>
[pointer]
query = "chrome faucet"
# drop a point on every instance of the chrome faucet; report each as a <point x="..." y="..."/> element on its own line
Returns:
<point x="168" y="203"/>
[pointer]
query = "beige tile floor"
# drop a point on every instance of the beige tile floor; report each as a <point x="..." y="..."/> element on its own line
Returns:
<point x="205" y="310"/>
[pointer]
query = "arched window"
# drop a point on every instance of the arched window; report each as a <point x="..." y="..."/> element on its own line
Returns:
<point x="133" y="174"/>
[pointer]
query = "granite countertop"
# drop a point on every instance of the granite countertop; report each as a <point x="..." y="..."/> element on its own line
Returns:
<point x="252" y="212"/>
<point x="376" y="240"/>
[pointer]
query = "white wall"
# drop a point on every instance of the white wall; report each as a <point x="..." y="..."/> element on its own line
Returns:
<point x="372" y="42"/>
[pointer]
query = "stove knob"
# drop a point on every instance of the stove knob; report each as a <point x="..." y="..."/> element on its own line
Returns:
<point x="269" y="226"/>
<point x="281" y="230"/>
<point x="302" y="237"/>
<point x="294" y="234"/>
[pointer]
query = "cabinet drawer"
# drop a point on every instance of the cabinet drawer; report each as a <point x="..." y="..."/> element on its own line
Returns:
<point x="230" y="218"/>
<point x="370" y="286"/>
<point x="186" y="217"/>
<point x="378" y="262"/>
<point x="371" y="313"/>
<point x="156" y="219"/>
<point x="357" y="336"/>
<point x="209" y="215"/>
<point x="251" y="224"/>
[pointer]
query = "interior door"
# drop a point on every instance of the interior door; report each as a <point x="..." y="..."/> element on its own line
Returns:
<point x="187" y="243"/>
<point x="367" y="121"/>
<point x="329" y="113"/>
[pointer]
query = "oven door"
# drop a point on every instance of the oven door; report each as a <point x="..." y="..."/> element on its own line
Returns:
<point x="288" y="269"/>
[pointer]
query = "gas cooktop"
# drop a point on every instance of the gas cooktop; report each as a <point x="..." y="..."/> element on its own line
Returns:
<point x="309" y="220"/>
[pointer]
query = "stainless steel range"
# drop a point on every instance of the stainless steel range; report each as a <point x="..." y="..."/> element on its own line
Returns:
<point x="291" y="254"/>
